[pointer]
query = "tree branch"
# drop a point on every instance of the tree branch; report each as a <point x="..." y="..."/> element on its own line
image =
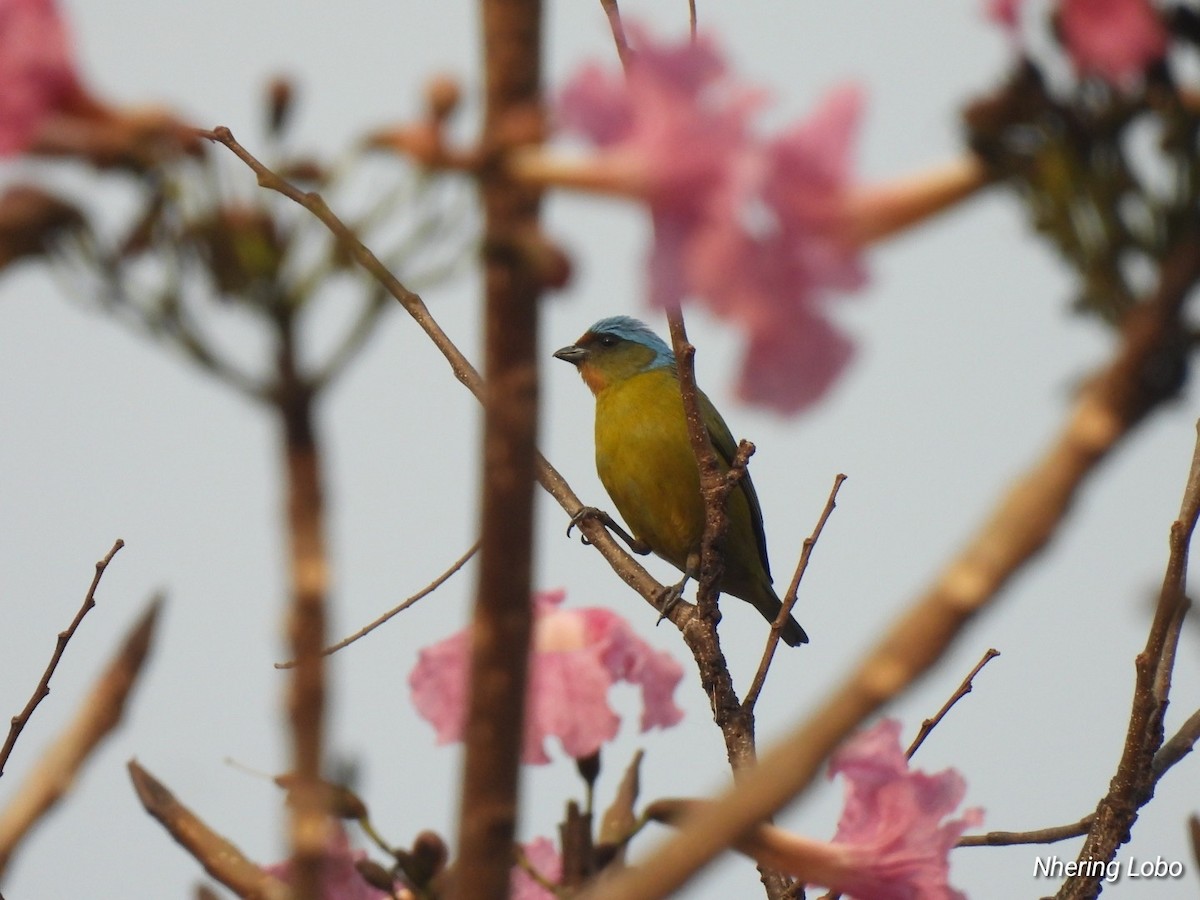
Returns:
<point x="423" y="592"/>
<point x="503" y="616"/>
<point x="963" y="689"/>
<point x="1133" y="784"/>
<point x="99" y="713"/>
<point x="627" y="568"/>
<point x="1040" y="836"/>
<point x="789" y="600"/>
<point x="308" y="568"/>
<point x="42" y="690"/>
<point x="220" y="858"/>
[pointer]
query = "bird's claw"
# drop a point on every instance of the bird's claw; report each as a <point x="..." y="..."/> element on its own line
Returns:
<point x="670" y="596"/>
<point x="585" y="512"/>
<point x="639" y="547"/>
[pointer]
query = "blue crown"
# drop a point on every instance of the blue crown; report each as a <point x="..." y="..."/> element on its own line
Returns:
<point x="627" y="328"/>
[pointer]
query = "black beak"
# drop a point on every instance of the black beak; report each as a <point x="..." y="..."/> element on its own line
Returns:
<point x="572" y="354"/>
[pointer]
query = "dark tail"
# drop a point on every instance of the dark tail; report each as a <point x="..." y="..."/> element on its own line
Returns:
<point x="769" y="605"/>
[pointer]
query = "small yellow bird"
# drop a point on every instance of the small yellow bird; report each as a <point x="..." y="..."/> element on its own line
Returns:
<point x="645" y="461"/>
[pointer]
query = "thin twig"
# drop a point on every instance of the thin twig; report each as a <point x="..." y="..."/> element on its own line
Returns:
<point x="99" y="713"/>
<point x="963" y="689"/>
<point x="1171" y="752"/>
<point x="789" y="600"/>
<point x="618" y="32"/>
<point x="692" y="18"/>
<point x="220" y="858"/>
<point x="1179" y="746"/>
<point x="1040" y="836"/>
<point x="423" y="592"/>
<point x="43" y="687"/>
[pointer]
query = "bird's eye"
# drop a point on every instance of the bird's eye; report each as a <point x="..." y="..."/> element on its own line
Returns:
<point x="607" y="340"/>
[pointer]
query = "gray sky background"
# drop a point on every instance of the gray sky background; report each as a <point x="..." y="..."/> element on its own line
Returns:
<point x="967" y="362"/>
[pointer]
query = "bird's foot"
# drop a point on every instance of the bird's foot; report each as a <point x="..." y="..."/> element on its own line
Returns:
<point x="594" y="512"/>
<point x="670" y="596"/>
<point x="587" y="512"/>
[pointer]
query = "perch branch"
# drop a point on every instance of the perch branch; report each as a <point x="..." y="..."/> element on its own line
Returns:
<point x="626" y="567"/>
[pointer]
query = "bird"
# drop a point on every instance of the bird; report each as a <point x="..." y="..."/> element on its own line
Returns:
<point x="645" y="461"/>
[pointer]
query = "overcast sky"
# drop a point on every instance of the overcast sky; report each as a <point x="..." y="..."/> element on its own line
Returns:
<point x="967" y="361"/>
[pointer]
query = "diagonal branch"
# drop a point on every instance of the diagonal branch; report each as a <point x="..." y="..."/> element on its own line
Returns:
<point x="42" y="690"/>
<point x="963" y="689"/>
<point x="395" y="610"/>
<point x="99" y="713"/>
<point x="220" y="858"/>
<point x="623" y="564"/>
<point x="789" y="600"/>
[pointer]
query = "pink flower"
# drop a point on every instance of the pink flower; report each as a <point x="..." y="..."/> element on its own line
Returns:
<point x="545" y="859"/>
<point x="756" y="229"/>
<point x="891" y="842"/>
<point x="339" y="878"/>
<point x="775" y="275"/>
<point x="1114" y="39"/>
<point x="892" y="826"/>
<point x="37" y="72"/>
<point x="577" y="656"/>
<point x="1005" y="13"/>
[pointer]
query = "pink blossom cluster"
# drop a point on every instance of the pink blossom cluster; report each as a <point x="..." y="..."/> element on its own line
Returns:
<point x="755" y="228"/>
<point x="37" y="70"/>
<point x="545" y="859"/>
<point x="340" y="879"/>
<point x="893" y="829"/>
<point x="1114" y="40"/>
<point x="577" y="655"/>
<point x="894" y="837"/>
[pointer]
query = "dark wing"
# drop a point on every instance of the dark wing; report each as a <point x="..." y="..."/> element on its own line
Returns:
<point x="726" y="448"/>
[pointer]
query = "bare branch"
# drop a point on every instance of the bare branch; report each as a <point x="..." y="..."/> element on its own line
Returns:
<point x="220" y="858"/>
<point x="305" y="618"/>
<point x="1133" y="784"/>
<point x="963" y="689"/>
<point x="502" y="618"/>
<point x="99" y="713"/>
<point x="623" y="564"/>
<point x="424" y="592"/>
<point x="1179" y="746"/>
<point x="618" y="32"/>
<point x="1040" y="836"/>
<point x="789" y="600"/>
<point x="43" y="688"/>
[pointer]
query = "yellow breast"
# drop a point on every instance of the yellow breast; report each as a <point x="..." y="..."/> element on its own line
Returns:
<point x="646" y="463"/>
